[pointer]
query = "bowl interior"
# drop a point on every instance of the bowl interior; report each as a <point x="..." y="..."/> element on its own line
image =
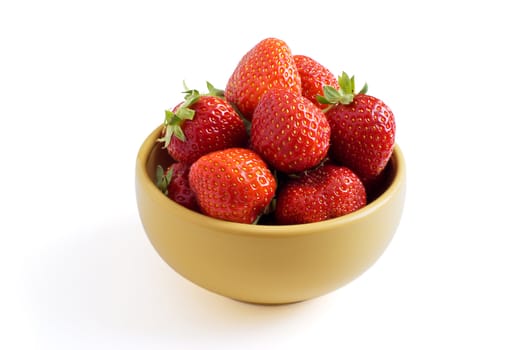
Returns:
<point x="390" y="177"/>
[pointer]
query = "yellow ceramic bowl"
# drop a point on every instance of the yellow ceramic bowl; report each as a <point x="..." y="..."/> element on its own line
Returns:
<point x="261" y="263"/>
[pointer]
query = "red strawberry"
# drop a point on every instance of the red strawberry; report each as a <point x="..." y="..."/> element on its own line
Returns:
<point x="267" y="65"/>
<point x="202" y="124"/>
<point x="174" y="183"/>
<point x="289" y="131"/>
<point x="233" y="184"/>
<point x="363" y="129"/>
<point x="326" y="192"/>
<point x="314" y="77"/>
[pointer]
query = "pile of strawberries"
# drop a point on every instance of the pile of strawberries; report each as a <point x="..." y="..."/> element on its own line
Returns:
<point x="284" y="143"/>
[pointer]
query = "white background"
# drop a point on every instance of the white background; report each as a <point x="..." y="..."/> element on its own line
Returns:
<point x="83" y="83"/>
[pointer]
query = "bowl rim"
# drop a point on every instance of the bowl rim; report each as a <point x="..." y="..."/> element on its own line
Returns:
<point x="235" y="228"/>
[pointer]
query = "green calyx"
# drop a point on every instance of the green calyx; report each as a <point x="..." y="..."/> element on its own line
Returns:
<point x="163" y="179"/>
<point x="344" y="95"/>
<point x="214" y="91"/>
<point x="174" y="120"/>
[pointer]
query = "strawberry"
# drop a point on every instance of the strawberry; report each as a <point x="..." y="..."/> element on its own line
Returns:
<point x="314" y="76"/>
<point x="232" y="184"/>
<point x="363" y="129"/>
<point x="202" y="124"/>
<point x="289" y="131"/>
<point x="267" y="65"/>
<point x="326" y="192"/>
<point x="174" y="183"/>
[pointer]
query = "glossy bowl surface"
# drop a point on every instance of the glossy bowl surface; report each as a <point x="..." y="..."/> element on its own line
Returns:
<point x="266" y="264"/>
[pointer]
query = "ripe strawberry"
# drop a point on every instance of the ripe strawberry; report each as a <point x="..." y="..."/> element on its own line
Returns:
<point x="202" y="124"/>
<point x="174" y="183"/>
<point x="289" y="131"/>
<point x="232" y="184"/>
<point x="326" y="192"/>
<point x="314" y="76"/>
<point x="363" y="129"/>
<point x="267" y="65"/>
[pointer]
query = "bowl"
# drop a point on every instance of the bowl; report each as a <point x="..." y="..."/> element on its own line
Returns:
<point x="266" y="264"/>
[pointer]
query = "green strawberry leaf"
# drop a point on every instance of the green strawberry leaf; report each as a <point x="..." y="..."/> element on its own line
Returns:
<point x="163" y="179"/>
<point x="178" y="132"/>
<point x="173" y="124"/>
<point x="321" y="99"/>
<point x="169" y="117"/>
<point x="332" y="95"/>
<point x="345" y="94"/>
<point x="364" y="89"/>
<point x="346" y="84"/>
<point x="169" y="175"/>
<point x="191" y="97"/>
<point x="159" y="176"/>
<point x="214" y="91"/>
<point x="184" y="113"/>
<point x="174" y="120"/>
<point x="346" y="99"/>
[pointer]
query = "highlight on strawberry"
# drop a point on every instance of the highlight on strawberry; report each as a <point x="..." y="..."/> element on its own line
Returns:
<point x="286" y="142"/>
